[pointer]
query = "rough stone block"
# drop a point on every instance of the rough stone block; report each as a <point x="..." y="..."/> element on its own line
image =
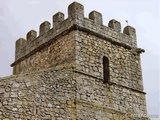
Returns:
<point x="96" y="17"/>
<point x="31" y="35"/>
<point x="19" y="42"/>
<point x="57" y="18"/>
<point x="128" y="30"/>
<point x="44" y="27"/>
<point x="115" y="25"/>
<point x="75" y="9"/>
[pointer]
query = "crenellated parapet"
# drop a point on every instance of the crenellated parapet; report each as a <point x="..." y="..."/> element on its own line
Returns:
<point x="75" y="21"/>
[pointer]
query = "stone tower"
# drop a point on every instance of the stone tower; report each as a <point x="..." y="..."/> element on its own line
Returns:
<point x="79" y="69"/>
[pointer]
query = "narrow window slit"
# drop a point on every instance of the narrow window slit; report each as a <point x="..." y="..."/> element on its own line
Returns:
<point x="106" y="73"/>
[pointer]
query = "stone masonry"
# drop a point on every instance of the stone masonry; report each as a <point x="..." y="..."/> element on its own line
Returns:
<point x="79" y="69"/>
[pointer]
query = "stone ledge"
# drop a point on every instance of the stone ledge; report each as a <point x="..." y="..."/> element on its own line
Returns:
<point x="110" y="83"/>
<point x="65" y="66"/>
<point x="124" y="115"/>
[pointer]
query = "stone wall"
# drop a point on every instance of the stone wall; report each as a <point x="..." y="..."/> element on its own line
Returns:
<point x="100" y="101"/>
<point x="43" y="95"/>
<point x="64" y="93"/>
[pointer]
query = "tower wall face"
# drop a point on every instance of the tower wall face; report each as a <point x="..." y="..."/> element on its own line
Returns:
<point x="124" y="64"/>
<point x="58" y="52"/>
<point x="62" y="73"/>
<point x="122" y="95"/>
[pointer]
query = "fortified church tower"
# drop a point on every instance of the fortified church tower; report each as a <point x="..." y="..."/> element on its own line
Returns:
<point x="78" y="69"/>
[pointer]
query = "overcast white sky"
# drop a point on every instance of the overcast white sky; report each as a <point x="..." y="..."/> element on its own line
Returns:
<point x="17" y="17"/>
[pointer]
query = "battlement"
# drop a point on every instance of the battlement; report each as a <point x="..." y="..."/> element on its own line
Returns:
<point x="75" y="21"/>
